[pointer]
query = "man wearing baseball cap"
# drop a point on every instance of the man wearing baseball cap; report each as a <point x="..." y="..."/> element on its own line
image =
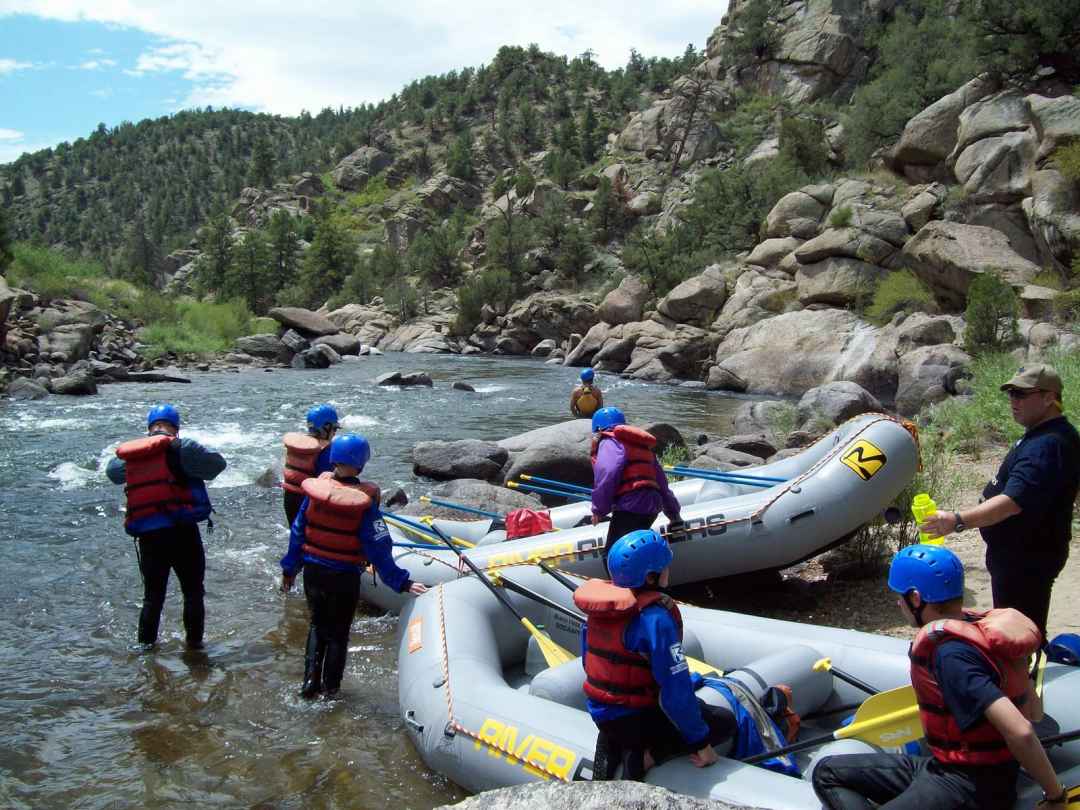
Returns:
<point x="1025" y="516"/>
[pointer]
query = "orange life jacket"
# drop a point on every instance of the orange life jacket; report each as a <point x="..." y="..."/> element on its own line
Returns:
<point x="301" y="454"/>
<point x="156" y="497"/>
<point x="639" y="471"/>
<point x="1006" y="638"/>
<point x="613" y="673"/>
<point x="334" y="513"/>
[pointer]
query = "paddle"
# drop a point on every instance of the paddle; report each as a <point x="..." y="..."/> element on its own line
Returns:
<point x="722" y="478"/>
<point x="553" y="653"/>
<point x="547" y="491"/>
<point x="554" y="483"/>
<point x="420" y="529"/>
<point x="460" y="507"/>
<point x="700" y="667"/>
<point x="826" y="665"/>
<point x="682" y="469"/>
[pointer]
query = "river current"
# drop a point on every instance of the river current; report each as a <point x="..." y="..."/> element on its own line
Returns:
<point x="88" y="721"/>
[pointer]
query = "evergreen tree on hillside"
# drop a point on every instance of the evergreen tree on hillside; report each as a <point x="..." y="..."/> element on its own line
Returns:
<point x="459" y="162"/>
<point x="330" y="260"/>
<point x="284" y="251"/>
<point x="247" y="278"/>
<point x="6" y="255"/>
<point x="141" y="255"/>
<point x="262" y="163"/>
<point x="590" y="146"/>
<point x="217" y="248"/>
<point x="1016" y="36"/>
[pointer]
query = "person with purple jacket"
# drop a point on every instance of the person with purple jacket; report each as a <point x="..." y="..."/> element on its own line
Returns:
<point x="628" y="481"/>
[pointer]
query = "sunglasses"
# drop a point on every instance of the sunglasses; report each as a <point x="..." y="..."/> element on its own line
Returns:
<point x="1022" y="393"/>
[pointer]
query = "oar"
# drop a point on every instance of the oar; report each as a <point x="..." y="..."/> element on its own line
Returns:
<point x="419" y="529"/>
<point x="697" y="666"/>
<point x="554" y="483"/>
<point x="722" y="478"/>
<point x="680" y="469"/>
<point x="826" y="665"/>
<point x="460" y="507"/>
<point x="553" y="653"/>
<point x="545" y="491"/>
<point x="887" y="719"/>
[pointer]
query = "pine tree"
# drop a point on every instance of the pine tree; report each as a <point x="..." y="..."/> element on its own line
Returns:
<point x="528" y="126"/>
<point x="589" y="146"/>
<point x="459" y="161"/>
<point x="247" y="276"/>
<point x="141" y="254"/>
<point x="216" y="260"/>
<point x="284" y="251"/>
<point x="6" y="255"/>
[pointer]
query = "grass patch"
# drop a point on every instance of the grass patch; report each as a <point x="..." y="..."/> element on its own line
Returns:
<point x="1049" y="279"/>
<point x="376" y="192"/>
<point x="972" y="424"/>
<point x="841" y="217"/>
<point x="1067" y="160"/>
<point x="1067" y="309"/>
<point x="201" y="328"/>
<point x="52" y="275"/>
<point x="674" y="455"/>
<point x="901" y="291"/>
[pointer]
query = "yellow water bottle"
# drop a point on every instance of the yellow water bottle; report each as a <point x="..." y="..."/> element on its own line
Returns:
<point x="922" y="506"/>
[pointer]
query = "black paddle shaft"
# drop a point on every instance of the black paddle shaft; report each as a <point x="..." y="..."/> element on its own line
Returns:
<point x="558" y="576"/>
<point x="844" y="676"/>
<point x="479" y="575"/>
<point x="543" y="600"/>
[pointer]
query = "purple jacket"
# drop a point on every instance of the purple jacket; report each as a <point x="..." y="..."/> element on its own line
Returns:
<point x="607" y="473"/>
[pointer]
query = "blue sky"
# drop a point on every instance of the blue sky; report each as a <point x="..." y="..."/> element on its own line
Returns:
<point x="66" y="65"/>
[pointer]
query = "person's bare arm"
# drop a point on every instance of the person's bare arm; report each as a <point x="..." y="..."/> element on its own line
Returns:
<point x="988" y="513"/>
<point x="1024" y="744"/>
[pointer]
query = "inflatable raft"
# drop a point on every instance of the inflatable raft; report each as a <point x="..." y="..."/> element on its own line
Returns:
<point x="829" y="490"/>
<point x="482" y="709"/>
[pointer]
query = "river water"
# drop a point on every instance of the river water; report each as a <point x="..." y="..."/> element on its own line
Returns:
<point x="88" y="721"/>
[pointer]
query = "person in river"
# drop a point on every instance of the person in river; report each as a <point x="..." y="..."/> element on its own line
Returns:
<point x="338" y="531"/>
<point x="975" y="697"/>
<point x="637" y="680"/>
<point x="164" y="482"/>
<point x="628" y="481"/>
<point x="586" y="398"/>
<point x="307" y="455"/>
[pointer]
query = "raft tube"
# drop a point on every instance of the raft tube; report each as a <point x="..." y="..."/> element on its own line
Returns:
<point x="481" y="709"/>
<point x="836" y="485"/>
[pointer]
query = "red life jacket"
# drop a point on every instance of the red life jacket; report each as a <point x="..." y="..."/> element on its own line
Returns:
<point x="334" y="513"/>
<point x="639" y="471"/>
<point x="155" y="496"/>
<point x="1006" y="638"/>
<point x="613" y="673"/>
<point x="301" y="454"/>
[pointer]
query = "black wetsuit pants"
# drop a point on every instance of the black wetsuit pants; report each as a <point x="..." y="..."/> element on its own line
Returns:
<point x="293" y="500"/>
<point x="623" y="523"/>
<point x="332" y="597"/>
<point x="179" y="549"/>
<point x="1025" y="587"/>
<point x="625" y="740"/>
<point x="901" y="782"/>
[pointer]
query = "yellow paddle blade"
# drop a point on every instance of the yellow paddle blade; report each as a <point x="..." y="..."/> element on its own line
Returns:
<point x="701" y="668"/>
<point x="1073" y="795"/>
<point x="553" y="653"/>
<point x="887" y="719"/>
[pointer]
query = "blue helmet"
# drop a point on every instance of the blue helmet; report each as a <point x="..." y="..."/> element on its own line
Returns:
<point x="320" y="416"/>
<point x="934" y="571"/>
<point x="1064" y="649"/>
<point x="636" y="555"/>
<point x="352" y="449"/>
<point x="607" y="418"/>
<point x="165" y="412"/>
<point x="587" y="375"/>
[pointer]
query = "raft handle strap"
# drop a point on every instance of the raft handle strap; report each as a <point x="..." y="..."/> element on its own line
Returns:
<point x="412" y="722"/>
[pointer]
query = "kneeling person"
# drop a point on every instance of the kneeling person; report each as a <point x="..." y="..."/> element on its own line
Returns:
<point x="637" y="681"/>
<point x="337" y="532"/>
<point x="969" y="671"/>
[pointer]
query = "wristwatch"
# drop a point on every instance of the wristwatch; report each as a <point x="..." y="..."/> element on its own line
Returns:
<point x="960" y="525"/>
<point x="1062" y="795"/>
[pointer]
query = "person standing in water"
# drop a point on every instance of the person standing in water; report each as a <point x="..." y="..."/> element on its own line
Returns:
<point x="307" y="455"/>
<point x="586" y="398"/>
<point x="338" y="531"/>
<point x="164" y="481"/>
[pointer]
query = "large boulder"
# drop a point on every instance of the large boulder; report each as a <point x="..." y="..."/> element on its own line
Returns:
<point x="626" y="303"/>
<point x="548" y="315"/>
<point x="310" y="359"/>
<point x="354" y="171"/>
<point x="295" y="341"/>
<point x="68" y="313"/>
<point x="769" y="252"/>
<point x="405" y="380"/>
<point x="929" y="374"/>
<point x="429" y="336"/>
<point x="559" y="451"/>
<point x="836" y="402"/>
<point x="949" y="255"/>
<point x="1053" y="215"/>
<point x="467" y="458"/>
<point x="304" y="321"/>
<point x="698" y="299"/>
<point x="266" y="347"/>
<point x="71" y="341"/>
<point x="24" y="388"/>
<point x="719" y="456"/>
<point x="663" y="352"/>
<point x="848" y="242"/>
<point x="769" y="417"/>
<point x="79" y="381"/>
<point x="756" y="296"/>
<point x="930" y="137"/>
<point x="1058" y="121"/>
<point x="837" y="281"/>
<point x="475" y="493"/>
<point x="585" y="351"/>
<point x="998" y="169"/>
<point x="341" y="343"/>
<point x="443" y="193"/>
<point x="7" y="299"/>
<point x="919" y="329"/>
<point x="797" y="214"/>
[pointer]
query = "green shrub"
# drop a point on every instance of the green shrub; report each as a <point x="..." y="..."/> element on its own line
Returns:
<point x="802" y="141"/>
<point x="991" y="315"/>
<point x="841" y="217"/>
<point x="1050" y="279"/>
<point x="901" y="291"/>
<point x="198" y="327"/>
<point x="492" y="286"/>
<point x="1067" y="308"/>
<point x="1067" y="160"/>
<point x="674" y="454"/>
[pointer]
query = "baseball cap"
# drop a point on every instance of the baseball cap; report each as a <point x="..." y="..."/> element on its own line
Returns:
<point x="1037" y="375"/>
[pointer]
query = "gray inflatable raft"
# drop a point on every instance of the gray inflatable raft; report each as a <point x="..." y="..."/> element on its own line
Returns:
<point x="482" y="709"/>
<point x="836" y="485"/>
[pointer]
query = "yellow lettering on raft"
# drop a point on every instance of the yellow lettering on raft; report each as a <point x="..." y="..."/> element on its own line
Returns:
<point x="536" y="756"/>
<point x="522" y="556"/>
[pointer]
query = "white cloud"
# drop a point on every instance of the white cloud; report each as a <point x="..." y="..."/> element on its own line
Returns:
<point x="280" y="57"/>
<point x="104" y="92"/>
<point x="10" y="135"/>
<point x="97" y="64"/>
<point x="12" y="66"/>
<point x="13" y="144"/>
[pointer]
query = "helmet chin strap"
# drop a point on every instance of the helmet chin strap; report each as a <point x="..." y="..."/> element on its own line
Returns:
<point x="917" y="612"/>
